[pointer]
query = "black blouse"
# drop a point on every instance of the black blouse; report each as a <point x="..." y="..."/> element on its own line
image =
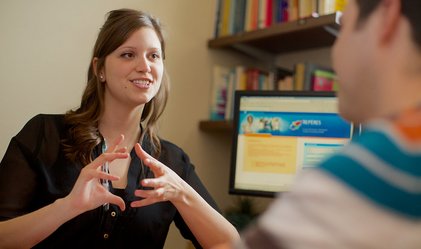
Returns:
<point x="34" y="172"/>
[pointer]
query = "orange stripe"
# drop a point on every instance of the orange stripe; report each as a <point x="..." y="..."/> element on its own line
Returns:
<point x="409" y="124"/>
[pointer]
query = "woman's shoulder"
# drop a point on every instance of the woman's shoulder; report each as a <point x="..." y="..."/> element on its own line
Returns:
<point x="168" y="145"/>
<point x="45" y="118"/>
<point x="170" y="149"/>
<point x="41" y="124"/>
<point x="174" y="156"/>
<point x="41" y="120"/>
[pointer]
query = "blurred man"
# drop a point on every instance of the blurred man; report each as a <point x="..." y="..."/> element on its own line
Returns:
<point x="369" y="194"/>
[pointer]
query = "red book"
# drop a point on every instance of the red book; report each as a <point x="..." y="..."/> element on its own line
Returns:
<point x="323" y="80"/>
<point x="269" y="13"/>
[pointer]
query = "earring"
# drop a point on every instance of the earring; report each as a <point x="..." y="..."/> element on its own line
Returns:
<point x="101" y="77"/>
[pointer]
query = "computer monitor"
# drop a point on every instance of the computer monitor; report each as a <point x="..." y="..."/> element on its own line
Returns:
<point x="279" y="133"/>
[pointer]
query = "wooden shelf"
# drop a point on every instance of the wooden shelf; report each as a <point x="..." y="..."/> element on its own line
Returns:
<point x="212" y="126"/>
<point x="292" y="36"/>
<point x="285" y="37"/>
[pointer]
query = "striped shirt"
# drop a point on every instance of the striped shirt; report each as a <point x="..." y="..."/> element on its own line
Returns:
<point x="366" y="196"/>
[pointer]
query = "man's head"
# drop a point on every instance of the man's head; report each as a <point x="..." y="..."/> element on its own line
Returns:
<point x="375" y="57"/>
<point x="409" y="8"/>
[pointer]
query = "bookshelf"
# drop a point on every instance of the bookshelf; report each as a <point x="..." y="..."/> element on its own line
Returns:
<point x="298" y="35"/>
<point x="220" y="125"/>
<point x="284" y="37"/>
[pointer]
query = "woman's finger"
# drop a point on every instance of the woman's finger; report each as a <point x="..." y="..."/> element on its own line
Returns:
<point x="106" y="176"/>
<point x="149" y="197"/>
<point x="89" y="174"/>
<point x="141" y="153"/>
<point x="121" y="150"/>
<point x="115" y="144"/>
<point x="153" y="183"/>
<point x="158" y="194"/>
<point x="116" y="200"/>
<point x="107" y="157"/>
<point x="156" y="166"/>
<point x="142" y="203"/>
<point x="143" y="193"/>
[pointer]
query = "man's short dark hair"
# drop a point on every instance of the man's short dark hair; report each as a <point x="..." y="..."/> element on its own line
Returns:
<point x="410" y="9"/>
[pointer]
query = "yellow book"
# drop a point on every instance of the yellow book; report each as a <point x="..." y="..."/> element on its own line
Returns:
<point x="226" y="10"/>
<point x="299" y="76"/>
<point x="247" y="21"/>
<point x="340" y="5"/>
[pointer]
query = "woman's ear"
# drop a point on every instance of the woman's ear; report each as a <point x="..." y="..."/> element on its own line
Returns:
<point x="99" y="74"/>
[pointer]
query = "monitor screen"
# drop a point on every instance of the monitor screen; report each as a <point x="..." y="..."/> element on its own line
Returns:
<point x="279" y="133"/>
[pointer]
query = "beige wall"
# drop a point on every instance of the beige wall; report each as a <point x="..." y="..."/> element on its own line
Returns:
<point x="45" y="47"/>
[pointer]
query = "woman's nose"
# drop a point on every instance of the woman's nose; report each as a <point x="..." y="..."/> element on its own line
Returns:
<point x="143" y="64"/>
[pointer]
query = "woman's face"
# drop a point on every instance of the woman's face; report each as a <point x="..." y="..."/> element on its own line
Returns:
<point x="133" y="72"/>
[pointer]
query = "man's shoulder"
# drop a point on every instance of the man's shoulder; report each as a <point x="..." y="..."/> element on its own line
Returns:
<point x="383" y="165"/>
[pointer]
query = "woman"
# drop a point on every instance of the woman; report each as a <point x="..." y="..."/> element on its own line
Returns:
<point x="123" y="196"/>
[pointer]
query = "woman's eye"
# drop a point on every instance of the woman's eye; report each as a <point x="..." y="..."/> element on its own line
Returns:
<point x="155" y="56"/>
<point x="127" y="55"/>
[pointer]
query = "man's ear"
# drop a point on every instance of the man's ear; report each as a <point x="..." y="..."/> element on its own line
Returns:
<point x="390" y="14"/>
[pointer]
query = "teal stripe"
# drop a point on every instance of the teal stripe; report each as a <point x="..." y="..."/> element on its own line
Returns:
<point x="380" y="144"/>
<point x="373" y="187"/>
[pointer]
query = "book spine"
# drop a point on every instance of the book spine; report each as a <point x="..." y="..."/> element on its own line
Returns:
<point x="231" y="20"/>
<point x="269" y="13"/>
<point x="254" y="14"/>
<point x="226" y="10"/>
<point x="218" y="93"/>
<point x="239" y="16"/>
<point x="217" y="19"/>
<point x="293" y="10"/>
<point x="299" y="70"/>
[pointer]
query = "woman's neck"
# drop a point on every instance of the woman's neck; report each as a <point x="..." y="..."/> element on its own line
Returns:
<point x="113" y="123"/>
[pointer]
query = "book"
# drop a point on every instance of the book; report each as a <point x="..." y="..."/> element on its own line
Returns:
<point x="299" y="71"/>
<point x="293" y="10"/>
<point x="236" y="81"/>
<point x="340" y="5"/>
<point x="261" y="18"/>
<point x="239" y="16"/>
<point x="231" y="20"/>
<point x="252" y="79"/>
<point x="217" y="19"/>
<point x="326" y="7"/>
<point x="324" y="80"/>
<point x="230" y="80"/>
<point x="225" y="17"/>
<point x="269" y="13"/>
<point x="252" y="15"/>
<point x="304" y="75"/>
<point x="283" y="79"/>
<point x="219" y="92"/>
<point x="306" y="8"/>
<point x="286" y="84"/>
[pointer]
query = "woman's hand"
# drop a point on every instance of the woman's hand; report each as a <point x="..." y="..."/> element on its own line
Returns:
<point x="88" y="192"/>
<point x="167" y="185"/>
<point x="208" y="226"/>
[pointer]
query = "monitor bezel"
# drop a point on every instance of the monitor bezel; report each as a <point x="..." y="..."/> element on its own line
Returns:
<point x="264" y="93"/>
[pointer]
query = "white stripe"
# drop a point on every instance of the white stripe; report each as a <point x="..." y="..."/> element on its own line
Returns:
<point x="383" y="170"/>
<point x="395" y="136"/>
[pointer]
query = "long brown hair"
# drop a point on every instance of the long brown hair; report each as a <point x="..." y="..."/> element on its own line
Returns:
<point x="83" y="134"/>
